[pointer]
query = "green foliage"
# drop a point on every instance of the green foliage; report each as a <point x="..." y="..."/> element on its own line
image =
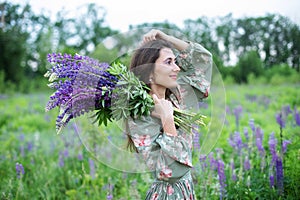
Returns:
<point x="132" y="94"/>
<point x="249" y="63"/>
<point x="104" y="54"/>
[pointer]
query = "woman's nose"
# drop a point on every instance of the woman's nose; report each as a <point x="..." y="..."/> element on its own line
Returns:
<point x="176" y="68"/>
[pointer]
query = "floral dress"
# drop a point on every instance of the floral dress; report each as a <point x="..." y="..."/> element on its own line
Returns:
<point x="170" y="157"/>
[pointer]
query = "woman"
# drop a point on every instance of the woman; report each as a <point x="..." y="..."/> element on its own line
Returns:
<point x="166" y="149"/>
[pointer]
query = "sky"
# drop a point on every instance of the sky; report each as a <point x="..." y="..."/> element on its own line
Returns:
<point x="121" y="14"/>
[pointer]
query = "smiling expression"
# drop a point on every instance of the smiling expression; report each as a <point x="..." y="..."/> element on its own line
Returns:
<point x="166" y="70"/>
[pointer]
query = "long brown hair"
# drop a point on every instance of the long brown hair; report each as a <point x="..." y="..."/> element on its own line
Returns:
<point x="143" y="65"/>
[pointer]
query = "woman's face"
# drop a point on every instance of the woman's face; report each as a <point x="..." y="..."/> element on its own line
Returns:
<point x="166" y="71"/>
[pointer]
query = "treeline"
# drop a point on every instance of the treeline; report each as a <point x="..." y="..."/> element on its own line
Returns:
<point x="252" y="49"/>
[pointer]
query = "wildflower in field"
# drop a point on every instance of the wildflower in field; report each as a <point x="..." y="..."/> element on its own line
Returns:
<point x="247" y="165"/>
<point x="259" y="139"/>
<point x="297" y="116"/>
<point x="286" y="110"/>
<point x="236" y="142"/>
<point x="246" y="134"/>
<point x="92" y="168"/>
<point x="252" y="125"/>
<point x="109" y="197"/>
<point x="237" y="111"/>
<point x="222" y="177"/>
<point x="271" y="178"/>
<point x="284" y="145"/>
<point x="21" y="137"/>
<point x="196" y="140"/>
<point x="212" y="161"/>
<point x="22" y="150"/>
<point x="80" y="156"/>
<point x="232" y="170"/>
<point x="29" y="146"/>
<point x="279" y="175"/>
<point x="280" y="120"/>
<point x="20" y="170"/>
<point x="272" y="146"/>
<point x="61" y="161"/>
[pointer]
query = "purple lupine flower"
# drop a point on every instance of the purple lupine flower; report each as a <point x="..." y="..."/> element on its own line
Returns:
<point x="203" y="104"/>
<point x="222" y="178"/>
<point x="252" y="125"/>
<point x="297" y="116"/>
<point x="22" y="150"/>
<point x="61" y="161"/>
<point x="227" y="109"/>
<point x="286" y="110"/>
<point x="202" y="159"/>
<point x="251" y="98"/>
<point x="284" y="145"/>
<point x="259" y="139"/>
<point x="280" y="120"/>
<point x="231" y="141"/>
<point x="92" y="168"/>
<point x="21" y="137"/>
<point x="235" y="142"/>
<point x="66" y="153"/>
<point x="29" y="146"/>
<point x="87" y="86"/>
<point x="80" y="156"/>
<point x="20" y="170"/>
<point x="109" y="188"/>
<point x="246" y="134"/>
<point x="232" y="169"/>
<point x="238" y="142"/>
<point x="237" y="113"/>
<point x="279" y="175"/>
<point x="272" y="146"/>
<point x="196" y="140"/>
<point x="272" y="180"/>
<point x="247" y="165"/>
<point x="212" y="162"/>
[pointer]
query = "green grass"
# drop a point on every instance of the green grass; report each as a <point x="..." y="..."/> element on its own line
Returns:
<point x="59" y="167"/>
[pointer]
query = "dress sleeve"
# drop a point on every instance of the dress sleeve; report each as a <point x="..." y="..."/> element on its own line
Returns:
<point x="196" y="68"/>
<point x="158" y="149"/>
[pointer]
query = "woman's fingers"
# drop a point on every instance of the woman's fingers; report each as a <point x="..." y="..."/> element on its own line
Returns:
<point x="155" y="98"/>
<point x="152" y="35"/>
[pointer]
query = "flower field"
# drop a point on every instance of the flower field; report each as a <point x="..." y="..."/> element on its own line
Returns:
<point x="257" y="155"/>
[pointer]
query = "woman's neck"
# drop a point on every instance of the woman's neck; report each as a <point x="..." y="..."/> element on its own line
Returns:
<point x="159" y="91"/>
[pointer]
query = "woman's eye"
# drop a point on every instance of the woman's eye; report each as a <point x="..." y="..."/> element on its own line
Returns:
<point x="169" y="61"/>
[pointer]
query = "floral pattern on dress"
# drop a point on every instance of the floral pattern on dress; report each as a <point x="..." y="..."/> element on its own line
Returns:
<point x="141" y="140"/>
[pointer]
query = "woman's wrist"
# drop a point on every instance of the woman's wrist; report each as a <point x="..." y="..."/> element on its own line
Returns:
<point x="169" y="126"/>
<point x="179" y="44"/>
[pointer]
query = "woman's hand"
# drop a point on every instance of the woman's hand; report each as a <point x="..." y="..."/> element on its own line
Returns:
<point x="163" y="109"/>
<point x="155" y="34"/>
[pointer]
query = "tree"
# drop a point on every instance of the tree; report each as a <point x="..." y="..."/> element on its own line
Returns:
<point x="249" y="63"/>
<point x="12" y="42"/>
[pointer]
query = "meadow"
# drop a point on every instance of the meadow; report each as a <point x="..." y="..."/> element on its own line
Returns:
<point x="257" y="155"/>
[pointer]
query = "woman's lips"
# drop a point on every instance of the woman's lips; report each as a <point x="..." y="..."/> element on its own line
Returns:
<point x="173" y="77"/>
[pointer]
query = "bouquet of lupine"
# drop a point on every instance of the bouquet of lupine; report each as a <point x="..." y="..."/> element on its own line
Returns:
<point x="112" y="92"/>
